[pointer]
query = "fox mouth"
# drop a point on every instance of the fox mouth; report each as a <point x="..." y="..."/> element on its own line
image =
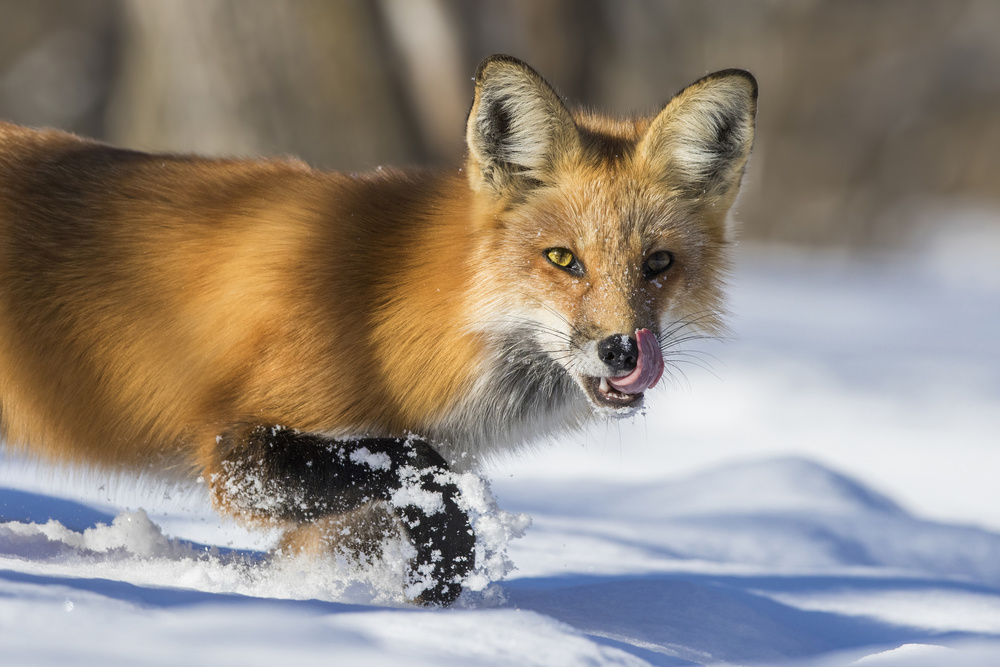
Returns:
<point x="603" y="395"/>
<point x="626" y="392"/>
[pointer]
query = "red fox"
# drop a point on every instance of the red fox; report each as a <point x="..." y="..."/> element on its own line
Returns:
<point x="307" y="341"/>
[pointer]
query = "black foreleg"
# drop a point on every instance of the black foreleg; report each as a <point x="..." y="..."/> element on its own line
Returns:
<point x="279" y="473"/>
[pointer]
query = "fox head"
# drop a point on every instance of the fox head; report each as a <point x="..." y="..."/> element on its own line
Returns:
<point x="604" y="242"/>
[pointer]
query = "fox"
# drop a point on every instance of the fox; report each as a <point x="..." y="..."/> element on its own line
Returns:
<point x="309" y="343"/>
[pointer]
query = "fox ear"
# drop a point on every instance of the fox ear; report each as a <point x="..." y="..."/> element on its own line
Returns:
<point x="518" y="129"/>
<point x="702" y="138"/>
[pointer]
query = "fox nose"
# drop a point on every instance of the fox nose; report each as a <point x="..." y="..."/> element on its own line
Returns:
<point x="619" y="352"/>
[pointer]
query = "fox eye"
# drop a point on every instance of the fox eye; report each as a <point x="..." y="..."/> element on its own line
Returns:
<point x="564" y="259"/>
<point x="658" y="262"/>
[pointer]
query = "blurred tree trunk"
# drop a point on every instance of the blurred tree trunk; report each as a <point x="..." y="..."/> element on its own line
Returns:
<point x="427" y="40"/>
<point x="260" y="77"/>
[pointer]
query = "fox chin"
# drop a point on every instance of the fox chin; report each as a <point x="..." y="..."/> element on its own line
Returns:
<point x="311" y="342"/>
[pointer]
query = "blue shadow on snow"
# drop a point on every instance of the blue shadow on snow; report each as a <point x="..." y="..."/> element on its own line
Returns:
<point x="707" y="618"/>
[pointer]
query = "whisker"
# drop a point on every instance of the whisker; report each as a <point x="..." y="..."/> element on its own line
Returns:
<point x="671" y="372"/>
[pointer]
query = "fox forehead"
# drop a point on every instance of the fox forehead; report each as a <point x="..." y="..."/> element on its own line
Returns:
<point x="608" y="138"/>
<point x="611" y="206"/>
<point x="606" y="195"/>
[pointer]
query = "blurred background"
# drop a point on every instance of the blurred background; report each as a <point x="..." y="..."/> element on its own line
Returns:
<point x="875" y="116"/>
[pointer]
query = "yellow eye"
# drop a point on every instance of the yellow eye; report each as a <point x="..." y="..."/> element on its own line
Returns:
<point x="560" y="257"/>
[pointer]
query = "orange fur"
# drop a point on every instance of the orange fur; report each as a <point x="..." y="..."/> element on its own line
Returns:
<point x="175" y="296"/>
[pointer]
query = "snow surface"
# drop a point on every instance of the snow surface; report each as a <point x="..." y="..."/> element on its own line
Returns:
<point x="824" y="495"/>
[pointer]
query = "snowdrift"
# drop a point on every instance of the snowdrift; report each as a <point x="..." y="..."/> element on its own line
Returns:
<point x="694" y="571"/>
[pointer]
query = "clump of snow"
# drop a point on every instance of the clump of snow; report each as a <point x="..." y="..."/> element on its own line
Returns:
<point x="412" y="493"/>
<point x="494" y="529"/>
<point x="131" y="533"/>
<point x="136" y="534"/>
<point x="375" y="461"/>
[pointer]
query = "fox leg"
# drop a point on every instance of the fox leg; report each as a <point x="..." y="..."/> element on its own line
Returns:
<point x="277" y="474"/>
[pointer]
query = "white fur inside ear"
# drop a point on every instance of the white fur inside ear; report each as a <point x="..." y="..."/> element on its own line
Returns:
<point x="717" y="129"/>
<point x="518" y="126"/>
<point x="703" y="137"/>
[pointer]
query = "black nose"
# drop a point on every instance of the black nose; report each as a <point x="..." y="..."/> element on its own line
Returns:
<point x="619" y="352"/>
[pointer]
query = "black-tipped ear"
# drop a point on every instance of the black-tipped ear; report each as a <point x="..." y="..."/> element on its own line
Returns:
<point x="702" y="138"/>
<point x="518" y="129"/>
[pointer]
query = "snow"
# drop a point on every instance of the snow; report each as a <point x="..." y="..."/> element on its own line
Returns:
<point x="823" y="495"/>
<point x="412" y="493"/>
<point x="377" y="461"/>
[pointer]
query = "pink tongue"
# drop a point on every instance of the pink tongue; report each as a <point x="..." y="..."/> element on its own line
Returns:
<point x="648" y="367"/>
